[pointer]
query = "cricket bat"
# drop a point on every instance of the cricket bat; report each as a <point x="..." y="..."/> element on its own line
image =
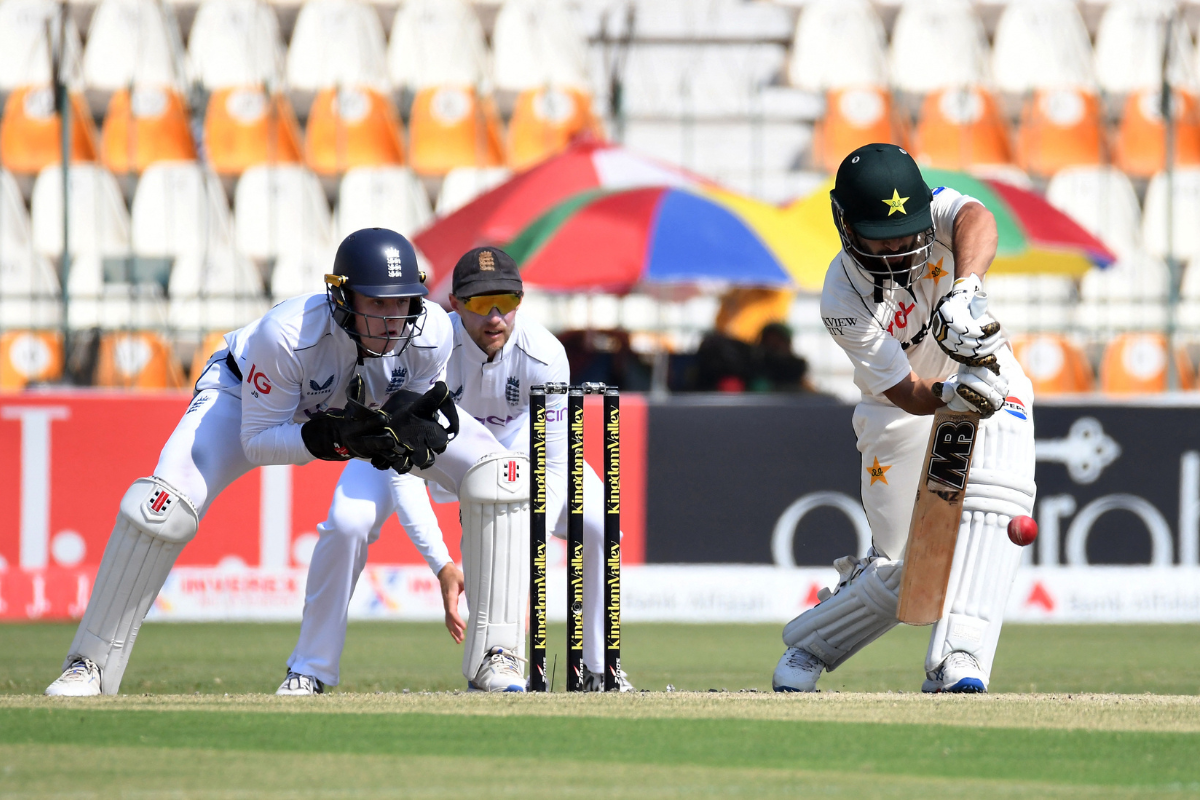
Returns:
<point x="937" y="512"/>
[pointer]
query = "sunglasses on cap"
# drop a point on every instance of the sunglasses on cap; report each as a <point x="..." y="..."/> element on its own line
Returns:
<point x="484" y="303"/>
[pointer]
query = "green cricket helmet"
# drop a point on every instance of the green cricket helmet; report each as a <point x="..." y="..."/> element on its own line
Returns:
<point x="879" y="194"/>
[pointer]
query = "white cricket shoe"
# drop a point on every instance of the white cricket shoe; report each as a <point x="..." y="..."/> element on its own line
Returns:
<point x="959" y="673"/>
<point x="594" y="681"/>
<point x="80" y="679"/>
<point x="500" y="672"/>
<point x="797" y="671"/>
<point x="297" y="685"/>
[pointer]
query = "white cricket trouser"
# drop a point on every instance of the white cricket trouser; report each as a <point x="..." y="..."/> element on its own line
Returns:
<point x="363" y="500"/>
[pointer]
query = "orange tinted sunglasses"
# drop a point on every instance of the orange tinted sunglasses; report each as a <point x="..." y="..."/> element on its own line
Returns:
<point x="484" y="303"/>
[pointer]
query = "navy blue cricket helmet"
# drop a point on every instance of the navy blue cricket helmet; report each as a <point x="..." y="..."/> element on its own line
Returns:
<point x="379" y="263"/>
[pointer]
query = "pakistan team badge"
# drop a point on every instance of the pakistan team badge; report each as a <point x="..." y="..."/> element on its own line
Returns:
<point x="896" y="203"/>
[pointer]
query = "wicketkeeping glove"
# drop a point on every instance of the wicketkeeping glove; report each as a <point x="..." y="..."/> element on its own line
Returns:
<point x="962" y="326"/>
<point x="413" y="421"/>
<point x="975" y="389"/>
<point x="355" y="431"/>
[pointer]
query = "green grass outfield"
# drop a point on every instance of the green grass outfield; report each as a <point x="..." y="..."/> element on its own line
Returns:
<point x="1079" y="711"/>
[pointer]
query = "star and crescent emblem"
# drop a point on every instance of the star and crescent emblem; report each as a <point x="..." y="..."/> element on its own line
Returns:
<point x="895" y="203"/>
<point x="878" y="472"/>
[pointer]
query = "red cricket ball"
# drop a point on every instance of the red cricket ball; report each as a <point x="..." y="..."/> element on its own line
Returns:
<point x="1022" y="530"/>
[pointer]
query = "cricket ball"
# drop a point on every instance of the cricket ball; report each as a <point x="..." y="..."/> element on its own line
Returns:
<point x="1022" y="530"/>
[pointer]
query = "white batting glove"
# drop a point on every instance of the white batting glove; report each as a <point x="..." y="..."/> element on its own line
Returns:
<point x="976" y="389"/>
<point x="962" y="326"/>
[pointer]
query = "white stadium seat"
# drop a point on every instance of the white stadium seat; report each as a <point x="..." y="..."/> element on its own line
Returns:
<point x="699" y="80"/>
<point x="180" y="209"/>
<point x="536" y="43"/>
<point x="280" y="210"/>
<point x="437" y="43"/>
<point x="1129" y="295"/>
<point x="1042" y="44"/>
<point x="217" y="290"/>
<point x="938" y="44"/>
<point x="464" y="184"/>
<point x="714" y="148"/>
<point x="235" y="43"/>
<point x="301" y="273"/>
<point x="1102" y="200"/>
<point x="24" y="51"/>
<point x="390" y="197"/>
<point x="838" y="43"/>
<point x="130" y="40"/>
<point x="710" y="19"/>
<point x="29" y="292"/>
<point x="1129" y="47"/>
<point x="1024" y="303"/>
<point x="337" y="43"/>
<point x="1184" y="233"/>
<point x="99" y="221"/>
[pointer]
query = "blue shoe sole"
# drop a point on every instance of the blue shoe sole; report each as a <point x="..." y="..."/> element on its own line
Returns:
<point x="967" y="686"/>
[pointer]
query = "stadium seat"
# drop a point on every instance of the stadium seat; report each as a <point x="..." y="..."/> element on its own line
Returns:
<point x="838" y="44"/>
<point x="212" y="343"/>
<point x="351" y="127"/>
<point x="1103" y="201"/>
<point x="1129" y="295"/>
<point x="536" y="43"/>
<point x="243" y="129"/>
<point x="544" y="121"/>
<point x="1053" y="364"/>
<point x="235" y="43"/>
<point x="1188" y="311"/>
<point x="137" y="360"/>
<point x="29" y="289"/>
<point x="99" y="221"/>
<point x="149" y="125"/>
<point x="391" y="197"/>
<point x="451" y="127"/>
<point x="437" y="43"/>
<point x="1184" y="233"/>
<point x="691" y="20"/>
<point x="29" y="356"/>
<point x="280" y="210"/>
<point x="337" y="43"/>
<point x="1129" y="48"/>
<point x="25" y="58"/>
<point x="725" y="150"/>
<point x="1031" y="303"/>
<point x="699" y="81"/>
<point x="1042" y="45"/>
<point x="179" y="209"/>
<point x="14" y="219"/>
<point x="217" y="289"/>
<point x="299" y="273"/>
<point x="853" y="117"/>
<point x="1136" y="363"/>
<point x="463" y="184"/>
<point x="1060" y="128"/>
<point x="116" y="293"/>
<point x="960" y="128"/>
<point x="30" y="133"/>
<point x="129" y="41"/>
<point x="1139" y="148"/>
<point x="938" y="44"/>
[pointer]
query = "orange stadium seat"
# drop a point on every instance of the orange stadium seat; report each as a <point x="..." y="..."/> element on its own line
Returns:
<point x="1140" y="149"/>
<point x="544" y="121"/>
<point x="1053" y="364"/>
<point x="29" y="357"/>
<point x="744" y="311"/>
<point x="211" y="344"/>
<point x="1060" y="128"/>
<point x="961" y="128"/>
<point x="1136" y="363"/>
<point x="450" y="126"/>
<point x="137" y="360"/>
<point x="30" y="131"/>
<point x="853" y="117"/>
<point x="242" y="128"/>
<point x="148" y="126"/>
<point x="352" y="128"/>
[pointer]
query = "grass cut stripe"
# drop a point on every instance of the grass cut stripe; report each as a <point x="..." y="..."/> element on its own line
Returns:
<point x="1065" y="756"/>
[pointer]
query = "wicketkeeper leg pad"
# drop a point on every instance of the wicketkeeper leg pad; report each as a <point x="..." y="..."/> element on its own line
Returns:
<point x="153" y="525"/>
<point x="494" y="503"/>
<point x="861" y="610"/>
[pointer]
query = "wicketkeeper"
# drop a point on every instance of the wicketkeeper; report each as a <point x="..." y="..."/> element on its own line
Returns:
<point x="897" y="299"/>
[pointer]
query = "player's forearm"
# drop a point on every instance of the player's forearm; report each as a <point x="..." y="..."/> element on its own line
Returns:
<point x="416" y="516"/>
<point x="914" y="396"/>
<point x="975" y="240"/>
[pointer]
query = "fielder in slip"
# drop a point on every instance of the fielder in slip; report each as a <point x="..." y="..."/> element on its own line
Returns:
<point x="904" y="299"/>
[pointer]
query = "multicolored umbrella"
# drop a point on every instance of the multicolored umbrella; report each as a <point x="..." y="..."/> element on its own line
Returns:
<point x="1035" y="237"/>
<point x="613" y="241"/>
<point x="497" y="216"/>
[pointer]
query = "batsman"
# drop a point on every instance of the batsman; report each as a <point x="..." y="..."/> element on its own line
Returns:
<point x="904" y="298"/>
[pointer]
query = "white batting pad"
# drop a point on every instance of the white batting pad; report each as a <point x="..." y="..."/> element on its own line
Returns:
<point x="153" y="525"/>
<point x="857" y="614"/>
<point x="985" y="561"/>
<point x="494" y="502"/>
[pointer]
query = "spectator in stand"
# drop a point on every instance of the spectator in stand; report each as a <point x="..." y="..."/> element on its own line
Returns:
<point x="777" y="368"/>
